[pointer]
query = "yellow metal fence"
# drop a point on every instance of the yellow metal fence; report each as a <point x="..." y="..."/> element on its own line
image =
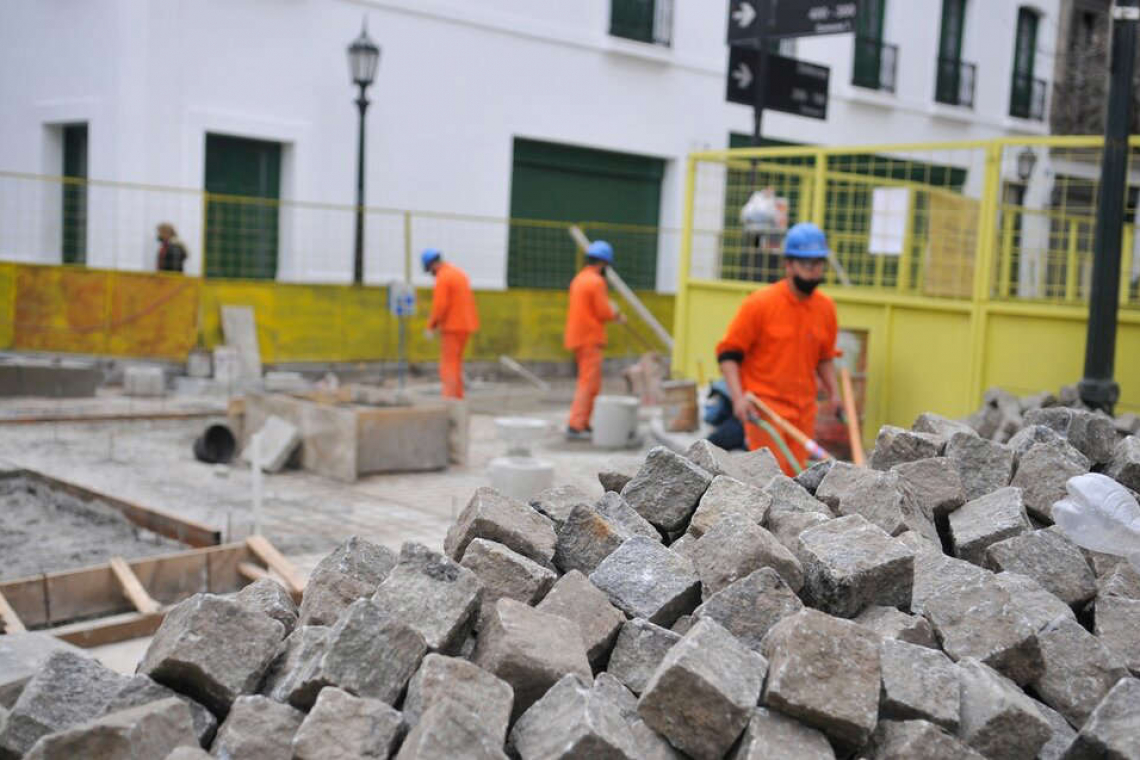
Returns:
<point x="969" y="263"/>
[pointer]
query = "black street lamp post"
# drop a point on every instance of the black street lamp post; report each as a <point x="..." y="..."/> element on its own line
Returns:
<point x="363" y="60"/>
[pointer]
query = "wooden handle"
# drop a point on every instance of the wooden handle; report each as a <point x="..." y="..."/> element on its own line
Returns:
<point x="813" y="448"/>
<point x="853" y="432"/>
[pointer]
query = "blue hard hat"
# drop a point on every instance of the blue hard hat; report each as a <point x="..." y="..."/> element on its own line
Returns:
<point x="429" y="256"/>
<point x="601" y="250"/>
<point x="806" y="241"/>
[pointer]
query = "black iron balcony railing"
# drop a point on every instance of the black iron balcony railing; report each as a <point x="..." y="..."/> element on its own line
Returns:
<point x="956" y="80"/>
<point x="1027" y="98"/>
<point x="876" y="64"/>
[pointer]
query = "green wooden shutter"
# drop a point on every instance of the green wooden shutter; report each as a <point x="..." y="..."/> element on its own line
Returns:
<point x="950" y="51"/>
<point x="242" y="225"/>
<point x="554" y="182"/>
<point x="869" y="43"/>
<point x="74" y="207"/>
<point x="632" y="19"/>
<point x="1025" y="48"/>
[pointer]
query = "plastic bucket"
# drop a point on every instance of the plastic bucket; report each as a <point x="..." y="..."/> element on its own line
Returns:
<point x="216" y="446"/>
<point x="615" y="421"/>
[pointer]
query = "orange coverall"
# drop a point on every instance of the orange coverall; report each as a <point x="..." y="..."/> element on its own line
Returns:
<point x="453" y="313"/>
<point x="780" y="340"/>
<point x="586" y="318"/>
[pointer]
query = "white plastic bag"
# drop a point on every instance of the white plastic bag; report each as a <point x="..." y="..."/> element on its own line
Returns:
<point x="1101" y="515"/>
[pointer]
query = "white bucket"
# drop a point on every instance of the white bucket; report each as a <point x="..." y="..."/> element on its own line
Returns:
<point x="615" y="421"/>
<point x="520" y="478"/>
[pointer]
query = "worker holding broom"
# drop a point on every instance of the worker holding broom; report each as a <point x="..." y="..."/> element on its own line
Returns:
<point x="589" y="310"/>
<point x="781" y="341"/>
<point x="453" y="316"/>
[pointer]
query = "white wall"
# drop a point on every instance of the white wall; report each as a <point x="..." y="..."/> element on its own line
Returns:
<point x="458" y="81"/>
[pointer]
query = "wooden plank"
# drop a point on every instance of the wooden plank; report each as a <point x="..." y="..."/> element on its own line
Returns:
<point x="252" y="571"/>
<point x="172" y="526"/>
<point x="222" y="572"/>
<point x="132" y="588"/>
<point x="110" y="630"/>
<point x="142" y="416"/>
<point x="276" y="562"/>
<point x="9" y="618"/>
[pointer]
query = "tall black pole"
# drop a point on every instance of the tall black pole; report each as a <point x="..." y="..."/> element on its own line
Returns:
<point x="1098" y="389"/>
<point x="358" y="260"/>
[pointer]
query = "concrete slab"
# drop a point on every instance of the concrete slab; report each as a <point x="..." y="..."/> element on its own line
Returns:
<point x="240" y="329"/>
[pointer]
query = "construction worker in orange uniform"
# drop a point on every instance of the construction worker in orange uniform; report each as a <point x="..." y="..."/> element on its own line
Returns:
<point x="453" y="316"/>
<point x="781" y="341"/>
<point x="589" y="310"/>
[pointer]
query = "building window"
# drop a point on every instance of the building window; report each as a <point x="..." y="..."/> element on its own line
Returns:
<point x="642" y="20"/>
<point x="243" y="186"/>
<point x="956" y="77"/>
<point x="875" y="60"/>
<point x="74" y="218"/>
<point x="1027" y="94"/>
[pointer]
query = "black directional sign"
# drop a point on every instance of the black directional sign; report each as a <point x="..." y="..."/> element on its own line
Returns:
<point x="794" y="87"/>
<point x="749" y="20"/>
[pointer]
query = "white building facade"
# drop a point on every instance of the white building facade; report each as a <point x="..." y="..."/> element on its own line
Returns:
<point x="487" y="108"/>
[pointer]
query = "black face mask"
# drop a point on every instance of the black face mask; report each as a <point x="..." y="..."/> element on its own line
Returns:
<point x="805" y="286"/>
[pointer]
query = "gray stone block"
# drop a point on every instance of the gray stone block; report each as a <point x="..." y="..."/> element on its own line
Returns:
<point x="918" y="684"/>
<point x="441" y="678"/>
<point x="285" y="677"/>
<point x="614" y="480"/>
<point x="1127" y="424"/>
<point x="749" y="607"/>
<point x="556" y="502"/>
<point x="1063" y="734"/>
<point x="269" y="597"/>
<point x="935" y="573"/>
<point x="736" y="548"/>
<point x="638" y="651"/>
<point x="787" y="527"/>
<point x="615" y="509"/>
<point x="880" y="497"/>
<point x="984" y="466"/>
<point x="904" y="740"/>
<point x="21" y="657"/>
<point x="149" y="731"/>
<point x="213" y="650"/>
<point x="1037" y="401"/>
<point x="572" y="722"/>
<point x="851" y="564"/>
<point x="141" y="690"/>
<point x="894" y="446"/>
<point x="69" y="689"/>
<point x="433" y="596"/>
<point x="666" y="489"/>
<point x="1117" y="622"/>
<point x="789" y="496"/>
<point x="144" y="381"/>
<point x="986" y="520"/>
<point x="810" y="478"/>
<point x="188" y="753"/>
<point x="1079" y="670"/>
<point x="257" y="728"/>
<point x="1006" y="642"/>
<point x="1042" y="473"/>
<point x="505" y="574"/>
<point x="1090" y="433"/>
<point x="530" y="650"/>
<point x="586" y="538"/>
<point x="280" y="439"/>
<point x="997" y="719"/>
<point x="684" y="546"/>
<point x="824" y="671"/>
<point x="1123" y="580"/>
<point x="1032" y="601"/>
<point x="683" y="624"/>
<point x="573" y="597"/>
<point x="714" y="460"/>
<point x="1030" y="436"/>
<point x="351" y="571"/>
<point x="729" y="497"/>
<point x="343" y="727"/>
<point x="1124" y="466"/>
<point x="944" y="428"/>
<point x="448" y="730"/>
<point x="649" y="745"/>
<point x="364" y="633"/>
<point x="891" y="623"/>
<point x="644" y="579"/>
<point x="934" y="485"/>
<point x="1049" y="558"/>
<point x="492" y="516"/>
<point x="1111" y="731"/>
<point x="703" y="693"/>
<point x="770" y="735"/>
<point x="756" y="468"/>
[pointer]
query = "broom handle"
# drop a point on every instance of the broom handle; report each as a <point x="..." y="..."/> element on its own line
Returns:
<point x="813" y="448"/>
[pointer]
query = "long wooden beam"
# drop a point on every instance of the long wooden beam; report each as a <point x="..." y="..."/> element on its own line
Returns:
<point x="276" y="562"/>
<point x="132" y="588"/>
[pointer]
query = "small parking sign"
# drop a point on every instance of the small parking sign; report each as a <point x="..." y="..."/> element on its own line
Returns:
<point x="402" y="299"/>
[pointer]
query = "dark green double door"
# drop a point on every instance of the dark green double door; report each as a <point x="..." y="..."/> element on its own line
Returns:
<point x="243" y="182"/>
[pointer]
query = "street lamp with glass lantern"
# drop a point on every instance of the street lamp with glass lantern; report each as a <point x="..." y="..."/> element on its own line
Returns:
<point x="363" y="60"/>
<point x="1026" y="162"/>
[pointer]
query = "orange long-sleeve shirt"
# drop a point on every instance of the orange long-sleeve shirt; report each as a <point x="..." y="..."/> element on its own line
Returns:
<point x="588" y="311"/>
<point x="782" y="339"/>
<point x="452" y="303"/>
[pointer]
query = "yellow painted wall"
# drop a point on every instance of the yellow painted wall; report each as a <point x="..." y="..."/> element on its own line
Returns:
<point x="7" y="304"/>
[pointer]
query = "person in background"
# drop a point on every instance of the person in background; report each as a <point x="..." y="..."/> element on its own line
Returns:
<point x="589" y="310"/>
<point x="171" y="251"/>
<point x="453" y="316"/>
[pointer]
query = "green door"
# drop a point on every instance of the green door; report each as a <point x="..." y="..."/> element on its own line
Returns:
<point x="243" y="178"/>
<point x="1021" y="90"/>
<point x="948" y="89"/>
<point x="74" y="207"/>
<point x="562" y="183"/>
<point x="869" y="44"/>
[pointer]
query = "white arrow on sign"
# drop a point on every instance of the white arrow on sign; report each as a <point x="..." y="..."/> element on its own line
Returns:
<point x="743" y="75"/>
<point x="744" y="15"/>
